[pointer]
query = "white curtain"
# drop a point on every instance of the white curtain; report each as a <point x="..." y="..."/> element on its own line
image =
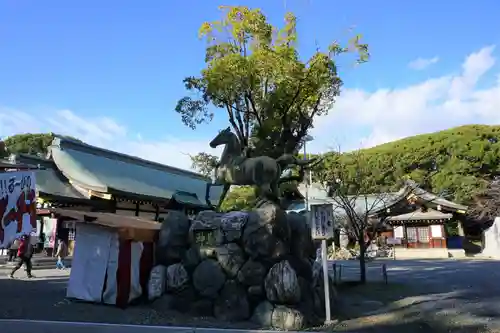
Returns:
<point x="90" y="261"/>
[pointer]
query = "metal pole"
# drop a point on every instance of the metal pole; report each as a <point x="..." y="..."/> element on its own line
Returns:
<point x="326" y="282"/>
<point x="307" y="185"/>
<point x="310" y="176"/>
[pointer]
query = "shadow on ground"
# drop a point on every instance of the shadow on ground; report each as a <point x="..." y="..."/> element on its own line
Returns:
<point x="423" y="296"/>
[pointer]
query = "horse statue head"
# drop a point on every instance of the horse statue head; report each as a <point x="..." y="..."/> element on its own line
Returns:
<point x="232" y="144"/>
<point x="222" y="138"/>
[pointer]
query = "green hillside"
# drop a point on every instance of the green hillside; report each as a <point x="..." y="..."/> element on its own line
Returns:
<point x="458" y="161"/>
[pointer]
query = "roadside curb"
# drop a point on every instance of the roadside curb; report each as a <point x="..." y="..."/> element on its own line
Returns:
<point x="30" y="326"/>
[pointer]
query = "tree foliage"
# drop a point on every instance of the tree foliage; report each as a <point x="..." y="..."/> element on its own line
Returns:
<point x="204" y="163"/>
<point x="255" y="78"/>
<point x="30" y="143"/>
<point x="239" y="198"/>
<point x="457" y="163"/>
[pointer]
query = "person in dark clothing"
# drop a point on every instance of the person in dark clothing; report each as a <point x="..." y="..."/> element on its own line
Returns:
<point x="23" y="256"/>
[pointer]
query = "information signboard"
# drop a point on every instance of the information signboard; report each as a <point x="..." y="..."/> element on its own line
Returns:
<point x="321" y="221"/>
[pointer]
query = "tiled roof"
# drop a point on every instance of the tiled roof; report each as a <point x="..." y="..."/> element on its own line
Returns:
<point x="106" y="171"/>
<point x="430" y="214"/>
<point x="49" y="181"/>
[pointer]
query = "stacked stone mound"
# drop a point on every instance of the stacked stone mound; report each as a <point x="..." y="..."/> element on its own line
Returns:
<point x="236" y="266"/>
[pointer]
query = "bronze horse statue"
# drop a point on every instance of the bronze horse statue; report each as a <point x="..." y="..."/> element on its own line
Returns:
<point x="262" y="171"/>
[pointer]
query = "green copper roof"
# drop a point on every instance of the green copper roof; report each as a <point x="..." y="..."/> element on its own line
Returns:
<point x="188" y="199"/>
<point x="110" y="172"/>
<point x="49" y="181"/>
<point x="377" y="203"/>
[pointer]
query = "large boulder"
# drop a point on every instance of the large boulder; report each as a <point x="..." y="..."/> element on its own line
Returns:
<point x="232" y="303"/>
<point x="302" y="244"/>
<point x="192" y="258"/>
<point x="263" y="314"/>
<point x="230" y="257"/>
<point x="205" y="235"/>
<point x="266" y="234"/>
<point x="252" y="273"/>
<point x="208" y="278"/>
<point x="231" y="226"/>
<point x="177" y="278"/>
<point x="156" y="283"/>
<point x="282" y="284"/>
<point x="288" y="319"/>
<point x="172" y="241"/>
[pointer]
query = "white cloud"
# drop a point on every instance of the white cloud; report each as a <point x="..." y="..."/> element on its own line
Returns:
<point x="391" y="114"/>
<point x="422" y="63"/>
<point x="359" y="118"/>
<point x="104" y="132"/>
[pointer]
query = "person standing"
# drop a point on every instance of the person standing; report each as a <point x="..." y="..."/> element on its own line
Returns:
<point x="62" y="252"/>
<point x="24" y="253"/>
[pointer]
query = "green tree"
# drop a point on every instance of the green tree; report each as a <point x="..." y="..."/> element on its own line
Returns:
<point x="239" y="198"/>
<point x="256" y="79"/>
<point x="204" y="163"/>
<point x="30" y="143"/>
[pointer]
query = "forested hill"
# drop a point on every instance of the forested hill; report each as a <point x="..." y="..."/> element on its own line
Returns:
<point x="458" y="161"/>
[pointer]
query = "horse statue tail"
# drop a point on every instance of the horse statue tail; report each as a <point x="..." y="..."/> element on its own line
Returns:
<point x="286" y="160"/>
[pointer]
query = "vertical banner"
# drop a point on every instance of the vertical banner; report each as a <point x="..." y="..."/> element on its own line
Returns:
<point x="17" y="205"/>
<point x="49" y="228"/>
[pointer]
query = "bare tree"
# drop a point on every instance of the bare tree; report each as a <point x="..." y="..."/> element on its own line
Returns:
<point x="486" y="205"/>
<point x="348" y="185"/>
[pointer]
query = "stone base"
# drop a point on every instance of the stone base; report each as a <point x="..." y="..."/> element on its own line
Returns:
<point x="239" y="266"/>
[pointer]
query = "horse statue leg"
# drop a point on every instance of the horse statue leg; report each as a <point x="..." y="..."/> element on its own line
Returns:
<point x="223" y="195"/>
<point x="207" y="195"/>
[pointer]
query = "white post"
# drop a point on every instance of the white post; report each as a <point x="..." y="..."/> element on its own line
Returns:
<point x="307" y="185"/>
<point x="321" y="217"/>
<point x="324" y="261"/>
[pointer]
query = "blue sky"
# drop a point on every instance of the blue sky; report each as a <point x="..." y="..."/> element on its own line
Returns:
<point x="112" y="70"/>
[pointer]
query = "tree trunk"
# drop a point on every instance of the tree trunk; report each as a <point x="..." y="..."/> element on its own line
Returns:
<point x="362" y="261"/>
